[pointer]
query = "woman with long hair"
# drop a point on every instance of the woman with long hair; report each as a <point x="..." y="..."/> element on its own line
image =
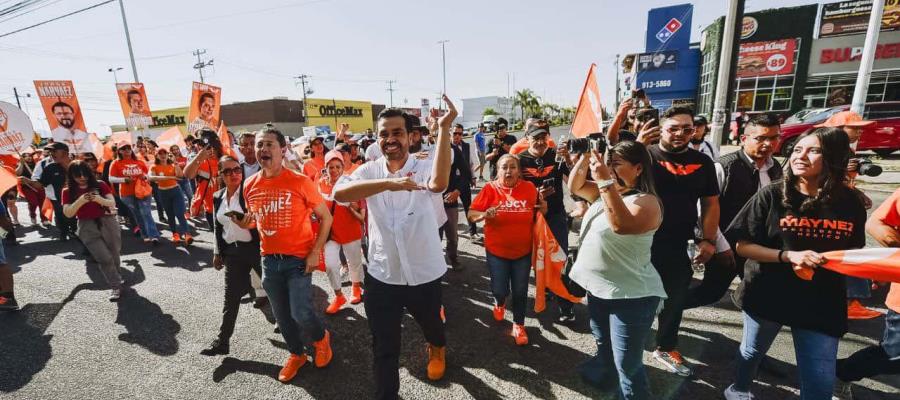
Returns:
<point x="166" y="173"/>
<point x="92" y="203"/>
<point x="613" y="262"/>
<point x="508" y="207"/>
<point x="786" y="227"/>
<point x="127" y="170"/>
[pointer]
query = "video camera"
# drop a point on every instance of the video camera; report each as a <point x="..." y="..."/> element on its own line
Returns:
<point x="867" y="167"/>
<point x="585" y="145"/>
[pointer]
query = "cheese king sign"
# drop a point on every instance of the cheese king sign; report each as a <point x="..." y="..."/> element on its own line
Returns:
<point x="775" y="57"/>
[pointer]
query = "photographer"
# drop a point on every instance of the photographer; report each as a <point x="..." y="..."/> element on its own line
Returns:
<point x="205" y="168"/>
<point x="499" y="146"/>
<point x="614" y="265"/>
<point x="857" y="288"/>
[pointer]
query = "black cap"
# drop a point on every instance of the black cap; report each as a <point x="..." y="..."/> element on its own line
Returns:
<point x="58" y="146"/>
<point x="536" y="130"/>
<point x="700" y="120"/>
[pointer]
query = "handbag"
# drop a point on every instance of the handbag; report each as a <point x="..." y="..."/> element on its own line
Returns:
<point x="142" y="189"/>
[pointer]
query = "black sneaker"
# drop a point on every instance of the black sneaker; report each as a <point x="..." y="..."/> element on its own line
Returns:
<point x="8" y="304"/>
<point x="566" y="317"/>
<point x="260" y="302"/>
<point x="217" y="347"/>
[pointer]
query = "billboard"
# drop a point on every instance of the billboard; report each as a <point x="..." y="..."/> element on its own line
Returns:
<point x="774" y="57"/>
<point x="669" y="28"/>
<point x="851" y="17"/>
<point x="133" y="100"/>
<point x="683" y="78"/>
<point x="204" y="111"/>
<point x="63" y="113"/>
<point x="658" y="60"/>
<point x="332" y="112"/>
<point x="842" y="54"/>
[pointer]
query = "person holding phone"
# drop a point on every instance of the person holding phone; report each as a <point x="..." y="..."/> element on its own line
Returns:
<point x="499" y="146"/>
<point x="125" y="171"/>
<point x="92" y="203"/>
<point x="205" y="168"/>
<point x="166" y="174"/>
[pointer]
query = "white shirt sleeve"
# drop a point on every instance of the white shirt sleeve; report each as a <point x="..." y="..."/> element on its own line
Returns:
<point x="720" y="176"/>
<point x="37" y="171"/>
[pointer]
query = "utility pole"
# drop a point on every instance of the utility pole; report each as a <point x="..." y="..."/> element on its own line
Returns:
<point x="128" y="39"/>
<point x="868" y="57"/>
<point x="16" y="93"/>
<point x="618" y="94"/>
<point x="731" y="35"/>
<point x="391" y="89"/>
<point x="201" y="64"/>
<point x="444" y="63"/>
<point x="303" y="78"/>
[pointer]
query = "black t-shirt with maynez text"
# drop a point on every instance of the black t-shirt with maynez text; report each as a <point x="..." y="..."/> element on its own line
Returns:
<point x="773" y="291"/>
<point x="681" y="179"/>
<point x="545" y="170"/>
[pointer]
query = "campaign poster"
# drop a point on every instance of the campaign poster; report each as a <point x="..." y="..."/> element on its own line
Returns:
<point x="204" y="111"/>
<point x="135" y="108"/>
<point x="774" y="57"/>
<point x="63" y="113"/>
<point x="16" y="131"/>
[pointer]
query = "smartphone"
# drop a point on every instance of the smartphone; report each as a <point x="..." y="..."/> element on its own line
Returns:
<point x="236" y="214"/>
<point x="549" y="182"/>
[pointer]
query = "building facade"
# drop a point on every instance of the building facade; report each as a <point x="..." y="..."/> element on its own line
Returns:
<point x="473" y="109"/>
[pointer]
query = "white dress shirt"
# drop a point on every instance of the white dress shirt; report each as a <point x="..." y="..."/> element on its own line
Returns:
<point x="230" y="231"/>
<point x="250" y="169"/>
<point x="404" y="247"/>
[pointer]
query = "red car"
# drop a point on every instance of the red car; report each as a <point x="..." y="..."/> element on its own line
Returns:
<point x="882" y="137"/>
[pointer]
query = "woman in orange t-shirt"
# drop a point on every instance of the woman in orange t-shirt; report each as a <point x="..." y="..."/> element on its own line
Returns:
<point x="126" y="170"/>
<point x="165" y="172"/>
<point x="346" y="235"/>
<point x="508" y="207"/>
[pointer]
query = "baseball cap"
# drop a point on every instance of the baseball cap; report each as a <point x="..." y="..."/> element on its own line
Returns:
<point x="845" y="118"/>
<point x="536" y="130"/>
<point x="58" y="146"/>
<point x="122" y="143"/>
<point x="334" y="155"/>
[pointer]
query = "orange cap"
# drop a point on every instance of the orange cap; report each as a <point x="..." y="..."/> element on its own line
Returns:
<point x="845" y="118"/>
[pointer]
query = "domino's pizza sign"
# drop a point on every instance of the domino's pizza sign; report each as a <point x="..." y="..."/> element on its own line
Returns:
<point x="669" y="28"/>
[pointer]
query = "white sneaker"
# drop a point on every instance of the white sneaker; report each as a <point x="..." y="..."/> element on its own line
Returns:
<point x="673" y="362"/>
<point x="732" y="394"/>
<point x="115" y="294"/>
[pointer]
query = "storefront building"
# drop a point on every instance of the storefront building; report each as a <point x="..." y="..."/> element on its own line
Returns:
<point x="667" y="70"/>
<point x="332" y="113"/>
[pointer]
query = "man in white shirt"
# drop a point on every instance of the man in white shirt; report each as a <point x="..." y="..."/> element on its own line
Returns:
<point x="406" y="261"/>
<point x="66" y="132"/>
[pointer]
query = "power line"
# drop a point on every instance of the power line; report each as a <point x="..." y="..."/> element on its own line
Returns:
<point x="391" y="89"/>
<point x="57" y="18"/>
<point x="28" y="11"/>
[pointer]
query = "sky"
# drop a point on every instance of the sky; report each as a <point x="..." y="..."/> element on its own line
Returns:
<point x="349" y="48"/>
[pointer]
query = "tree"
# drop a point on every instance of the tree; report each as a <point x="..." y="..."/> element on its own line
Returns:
<point x="489" y="111"/>
<point x="526" y="100"/>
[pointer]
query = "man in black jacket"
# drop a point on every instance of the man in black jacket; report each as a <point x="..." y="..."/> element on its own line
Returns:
<point x="458" y="190"/>
<point x="740" y="175"/>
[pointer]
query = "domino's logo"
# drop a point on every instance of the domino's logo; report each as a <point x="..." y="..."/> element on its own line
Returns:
<point x="668" y="30"/>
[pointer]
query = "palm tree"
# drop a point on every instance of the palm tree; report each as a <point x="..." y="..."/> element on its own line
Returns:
<point x="551" y="109"/>
<point x="527" y="101"/>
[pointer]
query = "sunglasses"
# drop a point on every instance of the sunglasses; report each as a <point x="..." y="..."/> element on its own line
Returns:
<point x="232" y="171"/>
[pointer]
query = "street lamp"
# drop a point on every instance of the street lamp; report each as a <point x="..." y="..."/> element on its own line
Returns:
<point x="115" y="76"/>
<point x="444" y="63"/>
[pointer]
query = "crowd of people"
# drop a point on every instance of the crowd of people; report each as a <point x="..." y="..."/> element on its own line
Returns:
<point x="654" y="202"/>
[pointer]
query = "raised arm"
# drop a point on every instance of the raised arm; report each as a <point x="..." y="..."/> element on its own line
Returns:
<point x="440" y="170"/>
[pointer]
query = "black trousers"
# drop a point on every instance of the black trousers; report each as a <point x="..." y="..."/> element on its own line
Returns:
<point x="717" y="277"/>
<point x="67" y="226"/>
<point x="466" y="199"/>
<point x="240" y="261"/>
<point x="669" y="257"/>
<point x="385" y="305"/>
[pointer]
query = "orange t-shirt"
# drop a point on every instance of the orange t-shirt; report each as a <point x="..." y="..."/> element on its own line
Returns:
<point x="282" y="207"/>
<point x="313" y="168"/>
<point x="345" y="228"/>
<point x="509" y="234"/>
<point x="165" y="170"/>
<point x="889" y="213"/>
<point x="127" y="169"/>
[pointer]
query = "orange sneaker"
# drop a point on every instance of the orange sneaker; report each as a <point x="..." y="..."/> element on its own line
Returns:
<point x="436" y="362"/>
<point x="323" y="350"/>
<point x="855" y="310"/>
<point x="188" y="239"/>
<point x="176" y="238"/>
<point x="336" y="304"/>
<point x="499" y="312"/>
<point x="291" y="366"/>
<point x="356" y="294"/>
<point x="518" y="332"/>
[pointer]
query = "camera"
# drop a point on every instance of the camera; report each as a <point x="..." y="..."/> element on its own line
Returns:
<point x="584" y="145"/>
<point x="209" y="138"/>
<point x="867" y="167"/>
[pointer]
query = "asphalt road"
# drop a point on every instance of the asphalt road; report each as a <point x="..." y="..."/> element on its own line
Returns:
<point x="69" y="342"/>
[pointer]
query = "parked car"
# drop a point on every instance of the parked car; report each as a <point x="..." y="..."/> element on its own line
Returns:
<point x="882" y="137"/>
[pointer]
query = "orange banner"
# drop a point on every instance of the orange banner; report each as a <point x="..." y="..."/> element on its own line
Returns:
<point x="205" y="106"/>
<point x="227" y="143"/>
<point x="172" y="137"/>
<point x="63" y="114"/>
<point x="135" y="107"/>
<point x="589" y="114"/>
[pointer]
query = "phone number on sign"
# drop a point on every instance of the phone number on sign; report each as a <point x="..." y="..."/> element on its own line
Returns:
<point x="656" y="84"/>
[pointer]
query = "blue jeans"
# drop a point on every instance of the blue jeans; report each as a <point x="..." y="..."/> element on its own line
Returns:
<point x="172" y="200"/>
<point x="620" y="328"/>
<point x="858" y="288"/>
<point x="187" y="189"/>
<point x="506" y="273"/>
<point x="816" y="355"/>
<point x="290" y="293"/>
<point x="140" y="208"/>
<point x="875" y="360"/>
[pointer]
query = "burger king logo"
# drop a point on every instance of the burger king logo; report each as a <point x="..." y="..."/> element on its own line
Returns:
<point x="749" y="25"/>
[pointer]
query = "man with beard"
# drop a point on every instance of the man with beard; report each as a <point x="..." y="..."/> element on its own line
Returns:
<point x="406" y="263"/>
<point x="740" y="175"/>
<point x="66" y="132"/>
<point x="682" y="176"/>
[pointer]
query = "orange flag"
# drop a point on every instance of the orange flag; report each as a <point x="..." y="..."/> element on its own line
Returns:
<point x="589" y="114"/>
<point x="8" y="180"/>
<point x="113" y="140"/>
<point x="47" y="209"/>
<point x="877" y="264"/>
<point x="227" y="143"/>
<point x="172" y="137"/>
<point x="549" y="262"/>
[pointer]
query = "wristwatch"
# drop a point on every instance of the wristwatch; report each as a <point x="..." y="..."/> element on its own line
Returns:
<point x="603" y="185"/>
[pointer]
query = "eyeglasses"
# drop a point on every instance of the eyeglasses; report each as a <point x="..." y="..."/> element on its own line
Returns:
<point x="232" y="171"/>
<point x="683" y="129"/>
<point x="770" y="139"/>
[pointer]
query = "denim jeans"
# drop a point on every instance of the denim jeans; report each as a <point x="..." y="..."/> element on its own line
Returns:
<point x="172" y="200"/>
<point x="620" y="328"/>
<point x="187" y="189"/>
<point x="858" y="288"/>
<point x="816" y="355"/>
<point x="506" y="273"/>
<point x="875" y="360"/>
<point x="140" y="208"/>
<point x="290" y="293"/>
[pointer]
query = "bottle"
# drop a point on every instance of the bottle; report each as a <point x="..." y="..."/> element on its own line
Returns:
<point x="692" y="250"/>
